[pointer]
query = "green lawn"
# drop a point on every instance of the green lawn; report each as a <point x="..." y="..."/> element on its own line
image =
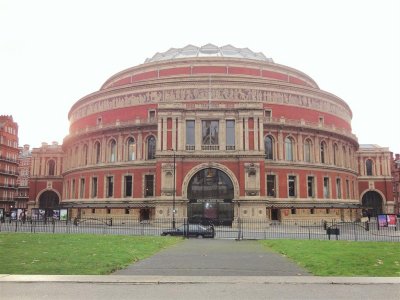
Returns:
<point x="341" y="258"/>
<point x="62" y="254"/>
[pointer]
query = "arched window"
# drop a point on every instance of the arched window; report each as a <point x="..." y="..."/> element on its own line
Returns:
<point x="368" y="167"/>
<point x="269" y="147"/>
<point x="289" y="148"/>
<point x="323" y="152"/>
<point x="113" y="150"/>
<point x="335" y="154"/>
<point x="151" y="147"/>
<point x="97" y="152"/>
<point x="307" y="150"/>
<point x="131" y="145"/>
<point x="51" y="167"/>
<point x="85" y="154"/>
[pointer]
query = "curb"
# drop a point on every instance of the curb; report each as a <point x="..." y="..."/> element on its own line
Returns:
<point x="131" y="279"/>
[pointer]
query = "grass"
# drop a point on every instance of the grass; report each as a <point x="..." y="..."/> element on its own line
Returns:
<point x="82" y="254"/>
<point x="341" y="258"/>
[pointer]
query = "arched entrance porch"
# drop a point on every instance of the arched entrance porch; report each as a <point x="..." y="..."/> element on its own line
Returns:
<point x="372" y="204"/>
<point x="210" y="193"/>
<point x="48" y="201"/>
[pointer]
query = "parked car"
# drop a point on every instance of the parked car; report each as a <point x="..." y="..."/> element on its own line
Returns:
<point x="191" y="230"/>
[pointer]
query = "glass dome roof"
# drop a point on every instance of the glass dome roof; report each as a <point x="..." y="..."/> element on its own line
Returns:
<point x="208" y="50"/>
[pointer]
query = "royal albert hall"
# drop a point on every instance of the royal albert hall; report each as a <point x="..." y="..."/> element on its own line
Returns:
<point x="214" y="132"/>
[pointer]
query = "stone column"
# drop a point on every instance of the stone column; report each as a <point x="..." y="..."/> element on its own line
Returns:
<point x="139" y="148"/>
<point x="198" y="133"/>
<point x="159" y="134"/>
<point x="300" y="147"/>
<point x="280" y="145"/>
<point x="181" y="134"/>
<point x="222" y="135"/>
<point x="164" y="134"/>
<point x="261" y="134"/>
<point x="240" y="134"/>
<point x="246" y="133"/>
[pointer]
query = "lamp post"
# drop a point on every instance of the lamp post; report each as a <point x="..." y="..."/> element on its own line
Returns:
<point x="173" y="193"/>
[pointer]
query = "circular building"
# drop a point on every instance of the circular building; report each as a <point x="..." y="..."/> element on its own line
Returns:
<point x="211" y="132"/>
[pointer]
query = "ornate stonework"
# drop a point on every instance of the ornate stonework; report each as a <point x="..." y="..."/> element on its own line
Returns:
<point x="187" y="94"/>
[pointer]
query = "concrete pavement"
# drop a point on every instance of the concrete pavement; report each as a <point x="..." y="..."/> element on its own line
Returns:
<point x="197" y="287"/>
<point x="215" y="257"/>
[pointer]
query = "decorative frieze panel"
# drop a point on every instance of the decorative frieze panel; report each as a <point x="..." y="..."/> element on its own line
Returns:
<point x="235" y="94"/>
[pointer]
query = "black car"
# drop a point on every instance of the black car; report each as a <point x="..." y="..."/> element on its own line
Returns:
<point x="191" y="230"/>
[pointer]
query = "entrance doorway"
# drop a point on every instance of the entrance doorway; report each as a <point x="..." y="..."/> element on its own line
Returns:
<point x="210" y="194"/>
<point x="372" y="203"/>
<point x="144" y="214"/>
<point x="48" y="201"/>
<point x="275" y="214"/>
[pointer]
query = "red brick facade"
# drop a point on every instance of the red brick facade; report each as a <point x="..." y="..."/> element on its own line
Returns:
<point x="216" y="136"/>
<point x="8" y="162"/>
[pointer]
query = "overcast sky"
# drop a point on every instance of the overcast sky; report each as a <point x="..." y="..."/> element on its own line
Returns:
<point x="52" y="53"/>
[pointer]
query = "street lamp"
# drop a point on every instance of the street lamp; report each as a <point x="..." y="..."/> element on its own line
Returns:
<point x="173" y="193"/>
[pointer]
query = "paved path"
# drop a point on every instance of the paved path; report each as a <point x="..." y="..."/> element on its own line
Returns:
<point x="215" y="257"/>
<point x="130" y="287"/>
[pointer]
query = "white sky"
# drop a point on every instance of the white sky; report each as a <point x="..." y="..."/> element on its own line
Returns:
<point x="52" y="53"/>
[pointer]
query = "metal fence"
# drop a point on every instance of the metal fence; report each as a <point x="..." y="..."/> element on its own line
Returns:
<point x="239" y="229"/>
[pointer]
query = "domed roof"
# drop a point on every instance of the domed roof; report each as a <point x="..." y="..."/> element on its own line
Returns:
<point x="208" y="50"/>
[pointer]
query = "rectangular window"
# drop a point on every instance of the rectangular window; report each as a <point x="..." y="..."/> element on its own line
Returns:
<point x="210" y="135"/>
<point x="347" y="189"/>
<point x="109" y="186"/>
<point x="190" y="135"/>
<point x="310" y="187"/>
<point x="152" y="115"/>
<point x="271" y="186"/>
<point x="292" y="186"/>
<point x="94" y="187"/>
<point x="82" y="188"/>
<point x="268" y="114"/>
<point x="326" y="187"/>
<point x="93" y="210"/>
<point x="230" y="135"/>
<point x="128" y="186"/>
<point x="149" y="185"/>
<point x="293" y="211"/>
<point x="312" y="211"/>
<point x="338" y="188"/>
<point x="127" y="211"/>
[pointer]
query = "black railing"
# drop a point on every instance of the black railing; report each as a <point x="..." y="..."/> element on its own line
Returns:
<point x="237" y="229"/>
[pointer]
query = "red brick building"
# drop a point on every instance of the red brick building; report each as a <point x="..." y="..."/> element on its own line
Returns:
<point x="375" y="179"/>
<point x="215" y="132"/>
<point x="396" y="182"/>
<point x="46" y="180"/>
<point x="24" y="166"/>
<point x="8" y="162"/>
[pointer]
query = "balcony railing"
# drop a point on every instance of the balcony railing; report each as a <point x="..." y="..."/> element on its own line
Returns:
<point x="8" y="159"/>
<point x="210" y="147"/>
<point x="8" y="186"/>
<point x="307" y="124"/>
<point x="7" y="172"/>
<point x="104" y="126"/>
